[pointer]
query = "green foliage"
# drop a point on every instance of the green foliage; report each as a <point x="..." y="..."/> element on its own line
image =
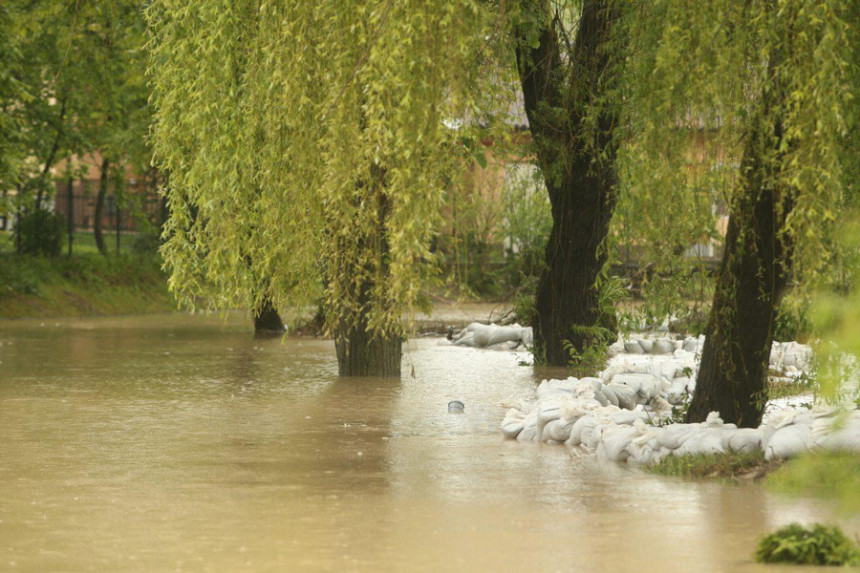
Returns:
<point x="40" y="232"/>
<point x="595" y="341"/>
<point x="793" y="322"/>
<point x="72" y="83"/>
<point x="307" y="147"/>
<point x="727" y="465"/>
<point x="526" y="224"/>
<point x="21" y="275"/>
<point x="699" y="78"/>
<point x="829" y="475"/>
<point x="524" y="300"/>
<point x="818" y="545"/>
<point x="494" y="237"/>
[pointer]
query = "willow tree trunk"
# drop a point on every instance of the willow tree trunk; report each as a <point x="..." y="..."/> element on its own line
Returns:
<point x="98" y="231"/>
<point x="267" y="321"/>
<point x="361" y="349"/>
<point x="360" y="353"/>
<point x="732" y="378"/>
<point x="578" y="163"/>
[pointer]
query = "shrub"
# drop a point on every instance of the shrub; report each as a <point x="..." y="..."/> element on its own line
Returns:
<point x="41" y="233"/>
<point x="820" y="545"/>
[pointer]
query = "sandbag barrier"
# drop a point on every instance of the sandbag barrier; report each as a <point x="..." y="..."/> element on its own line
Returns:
<point x="622" y="415"/>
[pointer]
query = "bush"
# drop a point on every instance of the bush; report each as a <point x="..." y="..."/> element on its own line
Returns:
<point x="820" y="545"/>
<point x="40" y="233"/>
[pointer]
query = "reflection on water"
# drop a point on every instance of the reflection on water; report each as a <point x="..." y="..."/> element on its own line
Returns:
<point x="178" y="443"/>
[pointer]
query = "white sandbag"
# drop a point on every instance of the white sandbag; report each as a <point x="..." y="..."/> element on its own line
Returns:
<point x="548" y="409"/>
<point x="789" y="441"/>
<point x="591" y="435"/>
<point x="690" y="345"/>
<point x="673" y="436"/>
<point x="647" y="345"/>
<point x="627" y="417"/>
<point x="527" y="336"/>
<point x="663" y="346"/>
<point x="643" y="445"/>
<point x="631" y="380"/>
<point x="633" y="347"/>
<point x="499" y="334"/>
<point x="513" y="423"/>
<point x="553" y="387"/>
<point x="678" y="391"/>
<point x="557" y="430"/>
<point x="658" y="410"/>
<point x="579" y="406"/>
<point x="702" y="441"/>
<point x="624" y="394"/>
<point x="615" y="348"/>
<point x="575" y="437"/>
<point x="667" y="369"/>
<point x="529" y="431"/>
<point x="742" y="440"/>
<point x="467" y="339"/>
<point x="613" y="441"/>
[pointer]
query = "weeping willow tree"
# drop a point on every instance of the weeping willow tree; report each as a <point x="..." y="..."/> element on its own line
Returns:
<point x="772" y="84"/>
<point x="307" y="151"/>
<point x="565" y="65"/>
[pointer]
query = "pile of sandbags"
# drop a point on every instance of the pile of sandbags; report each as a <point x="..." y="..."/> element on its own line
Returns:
<point x="583" y="414"/>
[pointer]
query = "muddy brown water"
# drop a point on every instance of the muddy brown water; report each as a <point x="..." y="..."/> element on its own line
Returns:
<point x="178" y="443"/>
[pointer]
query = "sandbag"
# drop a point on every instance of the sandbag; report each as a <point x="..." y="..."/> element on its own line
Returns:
<point x="789" y="441"/>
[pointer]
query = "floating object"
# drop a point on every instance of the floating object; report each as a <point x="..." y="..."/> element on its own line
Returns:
<point x="456" y="407"/>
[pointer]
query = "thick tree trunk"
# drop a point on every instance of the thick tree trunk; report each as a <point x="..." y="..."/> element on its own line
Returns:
<point x="578" y="165"/>
<point x="100" y="208"/>
<point x="756" y="263"/>
<point x="362" y="354"/>
<point x="361" y="350"/>
<point x="567" y="316"/>
<point x="267" y="321"/>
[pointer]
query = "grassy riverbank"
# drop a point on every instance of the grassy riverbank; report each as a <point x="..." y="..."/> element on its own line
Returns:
<point x="85" y="285"/>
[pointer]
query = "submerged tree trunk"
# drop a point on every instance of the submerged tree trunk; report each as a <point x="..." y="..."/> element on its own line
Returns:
<point x="267" y="321"/>
<point x="100" y="208"/>
<point x="578" y="162"/>
<point x="361" y="349"/>
<point x="360" y="353"/>
<point x="752" y="280"/>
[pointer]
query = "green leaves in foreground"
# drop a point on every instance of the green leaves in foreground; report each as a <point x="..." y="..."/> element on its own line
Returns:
<point x="820" y="545"/>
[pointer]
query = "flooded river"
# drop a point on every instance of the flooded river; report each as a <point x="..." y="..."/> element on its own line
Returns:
<point x="182" y="444"/>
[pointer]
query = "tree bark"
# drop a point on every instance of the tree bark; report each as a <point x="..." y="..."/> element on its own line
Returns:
<point x="578" y="163"/>
<point x="361" y="350"/>
<point x="360" y="353"/>
<point x="752" y="280"/>
<point x="267" y="321"/>
<point x="100" y="207"/>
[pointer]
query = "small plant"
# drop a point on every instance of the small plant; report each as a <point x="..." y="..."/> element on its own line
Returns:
<point x="592" y="357"/>
<point x="818" y="545"/>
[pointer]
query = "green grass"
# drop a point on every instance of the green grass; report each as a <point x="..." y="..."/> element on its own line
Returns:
<point x="84" y="285"/>
<point x="830" y="475"/>
<point x="84" y="243"/>
<point x="726" y="466"/>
